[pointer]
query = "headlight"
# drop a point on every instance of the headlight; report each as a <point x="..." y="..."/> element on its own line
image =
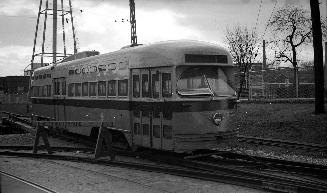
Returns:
<point x="217" y="118"/>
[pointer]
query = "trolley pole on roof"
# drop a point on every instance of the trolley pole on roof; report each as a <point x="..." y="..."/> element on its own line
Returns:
<point x="133" y="23"/>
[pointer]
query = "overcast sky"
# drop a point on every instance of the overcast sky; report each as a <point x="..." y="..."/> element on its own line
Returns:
<point x="99" y="24"/>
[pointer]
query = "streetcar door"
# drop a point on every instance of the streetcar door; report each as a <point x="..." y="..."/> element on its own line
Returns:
<point x="136" y="115"/>
<point x="156" y="126"/>
<point x="167" y="115"/>
<point x="59" y="95"/>
<point x="146" y="107"/>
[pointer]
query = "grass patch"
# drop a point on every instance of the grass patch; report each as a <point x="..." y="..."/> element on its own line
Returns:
<point x="286" y="121"/>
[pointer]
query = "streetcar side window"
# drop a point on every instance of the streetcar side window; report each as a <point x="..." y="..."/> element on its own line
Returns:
<point x="137" y="129"/>
<point x="102" y="88"/>
<point x="45" y="91"/>
<point x="35" y="91"/>
<point x="41" y="91"/>
<point x="49" y="90"/>
<point x="166" y="85"/>
<point x="85" y="89"/>
<point x="155" y="85"/>
<point x="167" y="132"/>
<point x="92" y="89"/>
<point x="156" y="131"/>
<point x="136" y="86"/>
<point x="145" y="128"/>
<point x="71" y="89"/>
<point x="122" y="87"/>
<point x="63" y="87"/>
<point x="112" y="88"/>
<point x="145" y="85"/>
<point x="78" y="89"/>
<point x="56" y="87"/>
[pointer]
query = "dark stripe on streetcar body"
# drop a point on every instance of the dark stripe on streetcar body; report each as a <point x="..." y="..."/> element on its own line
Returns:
<point x="170" y="106"/>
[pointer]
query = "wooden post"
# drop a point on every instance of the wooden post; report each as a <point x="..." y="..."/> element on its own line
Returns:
<point x="104" y="137"/>
<point x="40" y="131"/>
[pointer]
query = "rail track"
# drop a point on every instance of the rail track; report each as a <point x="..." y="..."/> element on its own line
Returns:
<point x="24" y="121"/>
<point x="262" y="163"/>
<point x="226" y="167"/>
<point x="212" y="157"/>
<point x="12" y="183"/>
<point x="201" y="170"/>
<point x="281" y="143"/>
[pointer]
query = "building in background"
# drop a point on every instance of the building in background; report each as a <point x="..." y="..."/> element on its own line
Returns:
<point x="14" y="89"/>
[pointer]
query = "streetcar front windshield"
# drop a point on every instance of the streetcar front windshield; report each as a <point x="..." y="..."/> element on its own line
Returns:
<point x="210" y="81"/>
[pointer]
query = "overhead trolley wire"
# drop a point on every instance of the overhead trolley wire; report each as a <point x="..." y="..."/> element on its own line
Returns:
<point x="273" y="10"/>
<point x="266" y="27"/>
<point x="259" y="11"/>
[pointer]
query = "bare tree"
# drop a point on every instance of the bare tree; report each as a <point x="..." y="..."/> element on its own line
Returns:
<point x="293" y="27"/>
<point x="242" y="43"/>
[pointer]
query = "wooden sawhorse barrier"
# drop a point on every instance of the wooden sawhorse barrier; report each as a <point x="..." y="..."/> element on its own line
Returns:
<point x="40" y="132"/>
<point x="104" y="143"/>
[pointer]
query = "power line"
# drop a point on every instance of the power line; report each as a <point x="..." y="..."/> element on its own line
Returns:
<point x="264" y="32"/>
<point x="257" y="50"/>
<point x="259" y="11"/>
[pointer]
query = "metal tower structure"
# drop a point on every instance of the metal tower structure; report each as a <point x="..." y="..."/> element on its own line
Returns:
<point x="41" y="55"/>
<point x="133" y="23"/>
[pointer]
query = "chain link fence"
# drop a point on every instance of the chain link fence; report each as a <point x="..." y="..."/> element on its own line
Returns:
<point x="278" y="83"/>
<point x="281" y="90"/>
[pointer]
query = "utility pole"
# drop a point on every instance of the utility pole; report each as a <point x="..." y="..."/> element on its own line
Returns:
<point x="54" y="33"/>
<point x="326" y="56"/>
<point x="264" y="66"/>
<point x="264" y="57"/>
<point x="318" y="57"/>
<point x="133" y="23"/>
<point x="73" y="28"/>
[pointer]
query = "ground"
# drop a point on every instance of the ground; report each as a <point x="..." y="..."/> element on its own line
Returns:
<point x="63" y="176"/>
<point x="294" y="122"/>
<point x="285" y="121"/>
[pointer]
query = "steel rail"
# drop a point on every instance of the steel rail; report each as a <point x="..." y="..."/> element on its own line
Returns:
<point x="272" y="180"/>
<point x="173" y="170"/>
<point x="207" y="171"/>
<point x="226" y="157"/>
<point x="281" y="143"/>
<point x="35" y="185"/>
<point x="42" y="147"/>
<point x="216" y="157"/>
<point x="204" y="172"/>
<point x="241" y="138"/>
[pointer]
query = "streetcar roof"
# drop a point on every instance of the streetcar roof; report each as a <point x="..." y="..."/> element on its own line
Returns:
<point x="167" y="53"/>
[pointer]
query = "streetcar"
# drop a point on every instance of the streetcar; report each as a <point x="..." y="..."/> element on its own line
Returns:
<point x="174" y="95"/>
